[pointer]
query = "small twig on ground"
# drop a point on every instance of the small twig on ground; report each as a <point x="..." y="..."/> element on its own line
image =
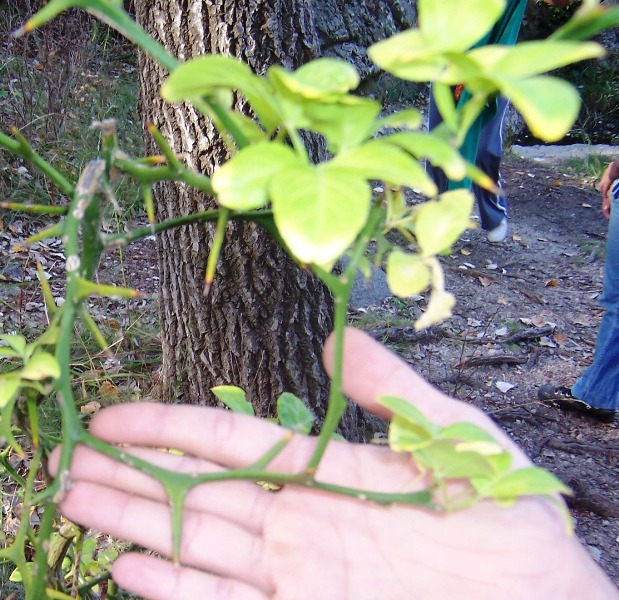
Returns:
<point x="497" y="359"/>
<point x="587" y="448"/>
<point x="583" y="499"/>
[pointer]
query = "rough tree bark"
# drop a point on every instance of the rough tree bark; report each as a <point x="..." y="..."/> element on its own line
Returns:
<point x="264" y="322"/>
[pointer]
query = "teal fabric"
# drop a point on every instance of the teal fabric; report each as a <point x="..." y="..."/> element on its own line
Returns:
<point x="505" y="32"/>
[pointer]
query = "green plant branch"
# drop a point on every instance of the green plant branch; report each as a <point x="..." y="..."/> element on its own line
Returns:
<point x="16" y="551"/>
<point x="36" y="209"/>
<point x="173" y="479"/>
<point x="122" y="239"/>
<point x="342" y="290"/>
<point x="147" y="174"/>
<point x="21" y="148"/>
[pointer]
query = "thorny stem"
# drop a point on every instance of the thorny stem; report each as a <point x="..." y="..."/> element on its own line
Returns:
<point x="122" y="239"/>
<point x="341" y="290"/>
<point x="174" y="479"/>
<point x="20" y="147"/>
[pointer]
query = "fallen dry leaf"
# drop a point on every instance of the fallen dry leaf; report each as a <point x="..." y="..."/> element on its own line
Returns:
<point x="485" y="282"/>
<point x="90" y="408"/>
<point x="504" y="386"/>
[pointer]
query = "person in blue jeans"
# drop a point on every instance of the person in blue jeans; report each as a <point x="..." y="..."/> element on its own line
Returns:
<point x="483" y="144"/>
<point x="597" y="391"/>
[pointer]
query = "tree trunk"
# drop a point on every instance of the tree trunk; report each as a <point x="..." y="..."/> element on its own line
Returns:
<point x="263" y="325"/>
<point x="346" y="28"/>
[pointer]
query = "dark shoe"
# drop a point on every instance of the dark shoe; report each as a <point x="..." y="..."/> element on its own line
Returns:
<point x="562" y="398"/>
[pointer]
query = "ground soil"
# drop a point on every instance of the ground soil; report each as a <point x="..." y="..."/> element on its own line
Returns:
<point x="527" y="314"/>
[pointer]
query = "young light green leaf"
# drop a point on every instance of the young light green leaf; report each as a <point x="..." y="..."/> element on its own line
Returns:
<point x="9" y="387"/>
<point x="207" y="75"/>
<point x="407" y="274"/>
<point x="464" y="431"/>
<point x="322" y="78"/>
<point x="8" y="352"/>
<point x="408" y="56"/>
<point x="15" y="341"/>
<point x="446" y="104"/>
<point x="386" y="162"/>
<point x="49" y="337"/>
<point x="41" y="366"/>
<point x="533" y="58"/>
<point x="243" y="182"/>
<point x="549" y="105"/>
<point x="456" y="25"/>
<point x="438" y="309"/>
<point x="234" y="398"/>
<point x="405" y="436"/>
<point x="319" y="210"/>
<point x="293" y="414"/>
<point x="439" y="223"/>
<point x="588" y="21"/>
<point x="344" y="125"/>
<point x="528" y="481"/>
<point x="407" y="411"/>
<point x="448" y="463"/>
<point x="439" y="152"/>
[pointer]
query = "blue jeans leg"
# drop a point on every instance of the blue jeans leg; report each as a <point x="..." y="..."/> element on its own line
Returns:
<point x="599" y="384"/>
<point x="492" y="208"/>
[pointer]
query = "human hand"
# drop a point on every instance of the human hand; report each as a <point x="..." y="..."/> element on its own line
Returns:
<point x="243" y="542"/>
<point x="610" y="174"/>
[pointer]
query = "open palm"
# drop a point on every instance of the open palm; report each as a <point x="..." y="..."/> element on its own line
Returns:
<point x="241" y="541"/>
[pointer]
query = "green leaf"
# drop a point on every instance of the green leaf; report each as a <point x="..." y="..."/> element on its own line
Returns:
<point x="50" y="336"/>
<point x="528" y="481"/>
<point x="405" y="436"/>
<point x="41" y="366"/>
<point x="439" y="223"/>
<point x="438" y="309"/>
<point x="243" y="182"/>
<point x="407" y="411"/>
<point x="9" y="352"/>
<point x="344" y="125"/>
<point x="533" y="58"/>
<point x="293" y="414"/>
<point x="408" y="56"/>
<point x="323" y="78"/>
<point x="386" y="162"/>
<point x="9" y="387"/>
<point x="407" y="274"/>
<point x="207" y="75"/>
<point x="319" y="210"/>
<point x="446" y="104"/>
<point x="457" y="24"/>
<point x="234" y="398"/>
<point x="588" y="21"/>
<point x="549" y="105"/>
<point x="446" y="461"/>
<point x="15" y="341"/>
<point x="462" y="430"/>
<point x="439" y="152"/>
